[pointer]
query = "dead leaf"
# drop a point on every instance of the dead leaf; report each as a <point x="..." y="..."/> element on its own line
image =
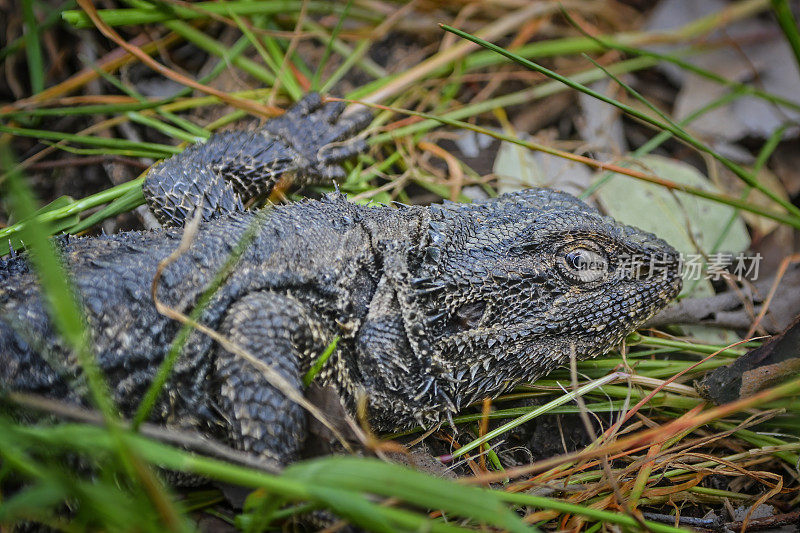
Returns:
<point x="519" y="168"/>
<point x="774" y="362"/>
<point x="760" y="54"/>
<point x="600" y="124"/>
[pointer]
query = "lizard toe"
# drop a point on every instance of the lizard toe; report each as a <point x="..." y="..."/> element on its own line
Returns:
<point x="330" y="111"/>
<point x="337" y="152"/>
<point x="304" y="107"/>
<point x="350" y="125"/>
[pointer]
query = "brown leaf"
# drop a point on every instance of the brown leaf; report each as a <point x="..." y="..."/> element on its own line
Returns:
<point x="775" y="361"/>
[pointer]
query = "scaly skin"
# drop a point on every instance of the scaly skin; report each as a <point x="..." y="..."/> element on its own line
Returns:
<point x="435" y="306"/>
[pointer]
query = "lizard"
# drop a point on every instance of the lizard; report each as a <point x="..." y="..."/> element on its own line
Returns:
<point x="434" y="307"/>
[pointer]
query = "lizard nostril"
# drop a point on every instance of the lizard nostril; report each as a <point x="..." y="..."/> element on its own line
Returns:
<point x="643" y="271"/>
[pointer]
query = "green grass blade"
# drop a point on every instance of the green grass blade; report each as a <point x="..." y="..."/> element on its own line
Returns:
<point x="195" y="133"/>
<point x="46" y="218"/>
<point x="166" y="129"/>
<point x="66" y="315"/>
<point x="157" y="151"/>
<point x="320" y="362"/>
<point x="561" y="400"/>
<point x="735" y="168"/>
<point x="28" y="503"/>
<point x="783" y="12"/>
<point x="391" y="480"/>
<point x="33" y="47"/>
<point x="605" y="517"/>
<point x="275" y="60"/>
<point x="127" y="17"/>
<point x="61" y="301"/>
<point x="351" y="59"/>
<point x="276" y="57"/>
<point x="129" y="201"/>
<point x="53" y="17"/>
<point x="364" y="62"/>
<point x="124" y="152"/>
<point x="92" y="109"/>
<point x="57" y="225"/>
<point x="329" y="46"/>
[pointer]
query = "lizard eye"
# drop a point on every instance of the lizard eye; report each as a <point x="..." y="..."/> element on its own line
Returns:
<point x="582" y="264"/>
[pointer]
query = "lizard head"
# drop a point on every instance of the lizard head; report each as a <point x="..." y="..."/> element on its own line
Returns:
<point x="508" y="288"/>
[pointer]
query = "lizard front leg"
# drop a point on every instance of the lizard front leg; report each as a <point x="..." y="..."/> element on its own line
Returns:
<point x="278" y="330"/>
<point x="222" y="174"/>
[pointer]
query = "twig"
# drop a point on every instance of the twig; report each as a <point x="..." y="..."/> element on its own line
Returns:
<point x="689" y="521"/>
<point x="768" y="522"/>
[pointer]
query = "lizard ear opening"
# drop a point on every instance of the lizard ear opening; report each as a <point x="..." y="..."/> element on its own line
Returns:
<point x="470" y="314"/>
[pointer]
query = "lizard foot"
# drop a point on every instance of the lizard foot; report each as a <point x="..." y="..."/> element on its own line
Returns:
<point x="320" y="135"/>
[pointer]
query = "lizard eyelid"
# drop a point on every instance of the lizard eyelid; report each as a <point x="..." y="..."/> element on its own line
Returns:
<point x="583" y="262"/>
